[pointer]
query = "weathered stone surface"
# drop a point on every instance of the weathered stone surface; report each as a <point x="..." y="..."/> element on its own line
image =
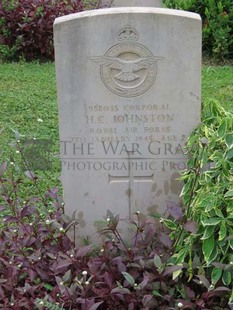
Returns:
<point x="129" y="87"/>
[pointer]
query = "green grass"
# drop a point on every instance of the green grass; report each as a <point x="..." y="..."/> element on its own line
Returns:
<point x="28" y="94"/>
<point x="217" y="83"/>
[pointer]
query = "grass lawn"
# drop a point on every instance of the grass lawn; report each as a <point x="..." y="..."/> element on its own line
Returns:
<point x="217" y="83"/>
<point x="29" y="105"/>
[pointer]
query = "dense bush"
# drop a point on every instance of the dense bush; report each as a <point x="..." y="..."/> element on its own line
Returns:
<point x="26" y="26"/>
<point x="207" y="196"/>
<point x="217" y="17"/>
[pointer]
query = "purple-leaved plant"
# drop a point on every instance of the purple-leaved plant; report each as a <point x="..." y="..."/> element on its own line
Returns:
<point x="41" y="268"/>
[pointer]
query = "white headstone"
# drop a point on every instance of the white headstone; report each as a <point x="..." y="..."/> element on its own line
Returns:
<point x="129" y="95"/>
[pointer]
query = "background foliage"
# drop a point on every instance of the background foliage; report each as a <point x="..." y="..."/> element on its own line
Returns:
<point x="217" y="17"/>
<point x="26" y="25"/>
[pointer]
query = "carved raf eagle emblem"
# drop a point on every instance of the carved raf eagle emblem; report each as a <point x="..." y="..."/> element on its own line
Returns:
<point x="127" y="68"/>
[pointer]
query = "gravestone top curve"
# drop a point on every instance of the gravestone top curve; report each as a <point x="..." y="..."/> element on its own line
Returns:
<point x="122" y="10"/>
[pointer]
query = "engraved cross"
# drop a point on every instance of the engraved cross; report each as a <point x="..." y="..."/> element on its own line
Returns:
<point x="131" y="179"/>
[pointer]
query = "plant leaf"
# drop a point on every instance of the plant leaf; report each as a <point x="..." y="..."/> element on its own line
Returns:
<point x="216" y="275"/>
<point x="222" y="128"/>
<point x="227" y="277"/>
<point x="229" y="194"/>
<point x="170" y="224"/>
<point x="211" y="221"/>
<point x="165" y="239"/>
<point x="229" y="140"/>
<point x="30" y="174"/>
<point x="120" y="290"/>
<point x="204" y="281"/>
<point x="229" y="154"/>
<point x="222" y="289"/>
<point x="191" y="226"/>
<point x="222" y="231"/>
<point x="156" y="293"/>
<point x="180" y="256"/>
<point x="230" y="241"/>
<point x="48" y="287"/>
<point x="174" y="210"/>
<point x="128" y="278"/>
<point x="172" y="269"/>
<point x="84" y="250"/>
<point x="207" y="247"/>
<point x="67" y="276"/>
<point x="208" y="232"/>
<point x="219" y="265"/>
<point x="157" y="261"/>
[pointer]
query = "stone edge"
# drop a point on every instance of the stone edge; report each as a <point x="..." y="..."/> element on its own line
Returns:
<point x="125" y="10"/>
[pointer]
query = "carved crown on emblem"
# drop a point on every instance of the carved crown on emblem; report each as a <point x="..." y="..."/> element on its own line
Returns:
<point x="128" y="34"/>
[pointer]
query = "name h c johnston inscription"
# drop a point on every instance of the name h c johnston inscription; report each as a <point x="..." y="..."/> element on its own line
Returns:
<point x="128" y="69"/>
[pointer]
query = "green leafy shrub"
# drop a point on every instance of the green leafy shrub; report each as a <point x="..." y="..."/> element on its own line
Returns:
<point x="208" y="199"/>
<point x="26" y="26"/>
<point x="217" y="19"/>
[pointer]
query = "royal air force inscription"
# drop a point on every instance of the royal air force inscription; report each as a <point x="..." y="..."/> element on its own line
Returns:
<point x="117" y="132"/>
